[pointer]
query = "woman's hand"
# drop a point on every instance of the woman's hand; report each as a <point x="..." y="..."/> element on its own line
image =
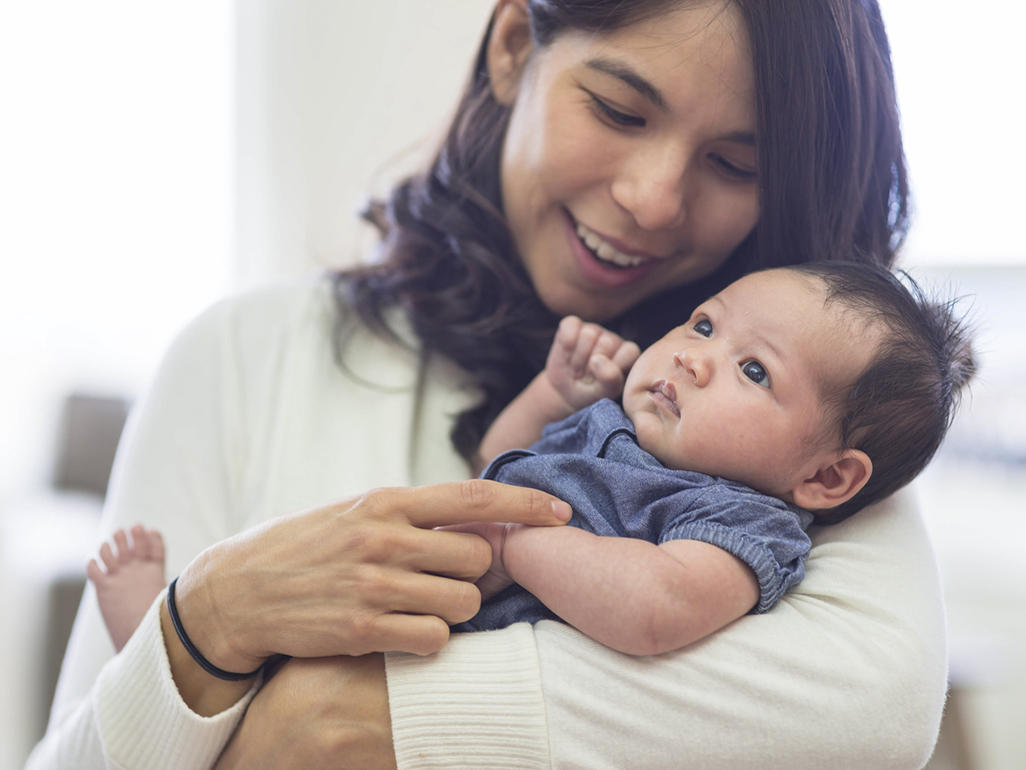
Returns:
<point x="319" y="712"/>
<point x="369" y="574"/>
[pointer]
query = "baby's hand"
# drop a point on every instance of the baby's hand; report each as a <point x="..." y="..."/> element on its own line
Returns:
<point x="496" y="578"/>
<point x="588" y="362"/>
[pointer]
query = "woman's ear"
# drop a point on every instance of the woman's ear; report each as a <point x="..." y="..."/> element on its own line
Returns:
<point x="508" y="49"/>
<point x="835" y="483"/>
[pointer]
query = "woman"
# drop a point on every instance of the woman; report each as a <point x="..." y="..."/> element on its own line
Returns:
<point x="617" y="160"/>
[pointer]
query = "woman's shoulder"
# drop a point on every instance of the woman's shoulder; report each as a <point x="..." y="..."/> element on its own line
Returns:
<point x="282" y="305"/>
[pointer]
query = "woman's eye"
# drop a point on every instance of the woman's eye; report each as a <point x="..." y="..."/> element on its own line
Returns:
<point x="756" y="372"/>
<point x="613" y="115"/>
<point x="733" y="170"/>
<point x="703" y="327"/>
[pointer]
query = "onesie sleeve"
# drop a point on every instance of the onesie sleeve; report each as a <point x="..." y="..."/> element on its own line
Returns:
<point x="765" y="533"/>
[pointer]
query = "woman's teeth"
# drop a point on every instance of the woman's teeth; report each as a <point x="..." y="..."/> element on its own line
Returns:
<point x="605" y="251"/>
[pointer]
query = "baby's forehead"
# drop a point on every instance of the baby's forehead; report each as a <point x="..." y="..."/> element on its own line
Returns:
<point x="847" y="342"/>
<point x="833" y="339"/>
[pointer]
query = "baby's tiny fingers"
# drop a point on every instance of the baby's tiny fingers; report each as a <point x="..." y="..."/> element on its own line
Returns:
<point x="608" y="342"/>
<point x="626" y="355"/>
<point x="566" y="334"/>
<point x="586" y="338"/>
<point x="607" y="374"/>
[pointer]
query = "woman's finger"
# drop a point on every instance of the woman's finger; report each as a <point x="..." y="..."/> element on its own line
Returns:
<point x="458" y="502"/>
<point x="419" y="634"/>
<point x="459" y="555"/>
<point x="454" y="601"/>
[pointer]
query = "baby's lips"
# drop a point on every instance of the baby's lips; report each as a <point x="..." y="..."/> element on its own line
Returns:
<point x="666" y="389"/>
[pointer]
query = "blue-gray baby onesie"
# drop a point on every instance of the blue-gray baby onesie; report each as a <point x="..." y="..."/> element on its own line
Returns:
<point x="593" y="461"/>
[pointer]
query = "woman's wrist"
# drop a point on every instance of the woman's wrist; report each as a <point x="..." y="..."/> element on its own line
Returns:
<point x="194" y="651"/>
<point x="204" y="694"/>
<point x="205" y="610"/>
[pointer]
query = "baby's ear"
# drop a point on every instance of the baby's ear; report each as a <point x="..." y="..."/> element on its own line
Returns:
<point x="835" y="483"/>
<point x="508" y="49"/>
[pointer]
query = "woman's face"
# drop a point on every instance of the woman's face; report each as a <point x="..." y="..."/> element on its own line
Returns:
<point x="629" y="164"/>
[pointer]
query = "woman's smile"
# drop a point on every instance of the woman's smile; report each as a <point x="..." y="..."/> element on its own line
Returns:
<point x="628" y="165"/>
<point x="602" y="263"/>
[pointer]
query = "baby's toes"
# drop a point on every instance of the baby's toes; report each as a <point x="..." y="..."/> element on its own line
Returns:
<point x="125" y="551"/>
<point x="156" y="545"/>
<point x="108" y="558"/>
<point x="140" y="542"/>
<point x="93" y="571"/>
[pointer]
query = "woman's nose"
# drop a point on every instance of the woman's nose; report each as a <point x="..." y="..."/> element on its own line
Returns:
<point x="699" y="367"/>
<point x="651" y="188"/>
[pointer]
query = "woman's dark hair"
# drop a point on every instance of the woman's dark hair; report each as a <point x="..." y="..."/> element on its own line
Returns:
<point x="900" y="407"/>
<point x="832" y="185"/>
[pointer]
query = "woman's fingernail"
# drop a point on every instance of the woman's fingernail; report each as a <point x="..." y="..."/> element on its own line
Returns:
<point x="562" y="510"/>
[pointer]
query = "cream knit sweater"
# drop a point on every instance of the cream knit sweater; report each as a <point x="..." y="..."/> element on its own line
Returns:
<point x="250" y="417"/>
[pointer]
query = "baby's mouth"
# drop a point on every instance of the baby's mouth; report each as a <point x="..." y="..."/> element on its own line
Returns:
<point x="664" y="394"/>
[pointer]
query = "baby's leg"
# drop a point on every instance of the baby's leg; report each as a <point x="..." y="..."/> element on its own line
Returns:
<point x="133" y="577"/>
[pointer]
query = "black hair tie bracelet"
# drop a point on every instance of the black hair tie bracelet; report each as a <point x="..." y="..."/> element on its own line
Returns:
<point x="197" y="656"/>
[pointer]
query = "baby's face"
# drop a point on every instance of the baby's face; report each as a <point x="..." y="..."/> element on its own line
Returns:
<point x="738" y="391"/>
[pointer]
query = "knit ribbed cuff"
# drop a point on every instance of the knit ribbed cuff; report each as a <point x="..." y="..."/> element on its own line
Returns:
<point x="142" y="719"/>
<point x="476" y="704"/>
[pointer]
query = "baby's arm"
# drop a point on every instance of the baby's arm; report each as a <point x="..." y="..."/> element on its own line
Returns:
<point x="586" y="363"/>
<point x="629" y="594"/>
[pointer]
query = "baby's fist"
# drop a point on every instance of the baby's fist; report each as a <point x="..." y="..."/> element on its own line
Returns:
<point x="587" y="362"/>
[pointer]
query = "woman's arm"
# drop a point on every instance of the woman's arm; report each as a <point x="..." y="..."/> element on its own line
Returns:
<point x="368" y="574"/>
<point x="200" y="461"/>
<point x="848" y="671"/>
<point x="317" y="712"/>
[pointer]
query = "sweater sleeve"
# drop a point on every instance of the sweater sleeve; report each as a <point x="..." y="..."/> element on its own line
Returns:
<point x="848" y="671"/>
<point x="174" y="471"/>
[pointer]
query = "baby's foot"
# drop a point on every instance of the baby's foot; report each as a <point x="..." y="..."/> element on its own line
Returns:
<point x="129" y="581"/>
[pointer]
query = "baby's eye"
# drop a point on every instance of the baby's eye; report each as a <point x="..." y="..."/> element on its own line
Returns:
<point x="703" y="327"/>
<point x="756" y="372"/>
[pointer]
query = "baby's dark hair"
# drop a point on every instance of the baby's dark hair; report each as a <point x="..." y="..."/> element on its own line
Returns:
<point x="900" y="407"/>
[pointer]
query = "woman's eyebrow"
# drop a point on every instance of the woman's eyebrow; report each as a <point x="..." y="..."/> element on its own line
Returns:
<point x="630" y="77"/>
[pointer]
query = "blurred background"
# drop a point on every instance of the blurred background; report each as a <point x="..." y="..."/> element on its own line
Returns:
<point x="157" y="156"/>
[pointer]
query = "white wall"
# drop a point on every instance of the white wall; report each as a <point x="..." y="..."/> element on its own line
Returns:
<point x="115" y="198"/>
<point x="961" y="75"/>
<point x="336" y="99"/>
<point x="115" y="228"/>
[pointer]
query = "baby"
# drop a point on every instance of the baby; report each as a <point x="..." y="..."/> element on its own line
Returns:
<point x="794" y="395"/>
